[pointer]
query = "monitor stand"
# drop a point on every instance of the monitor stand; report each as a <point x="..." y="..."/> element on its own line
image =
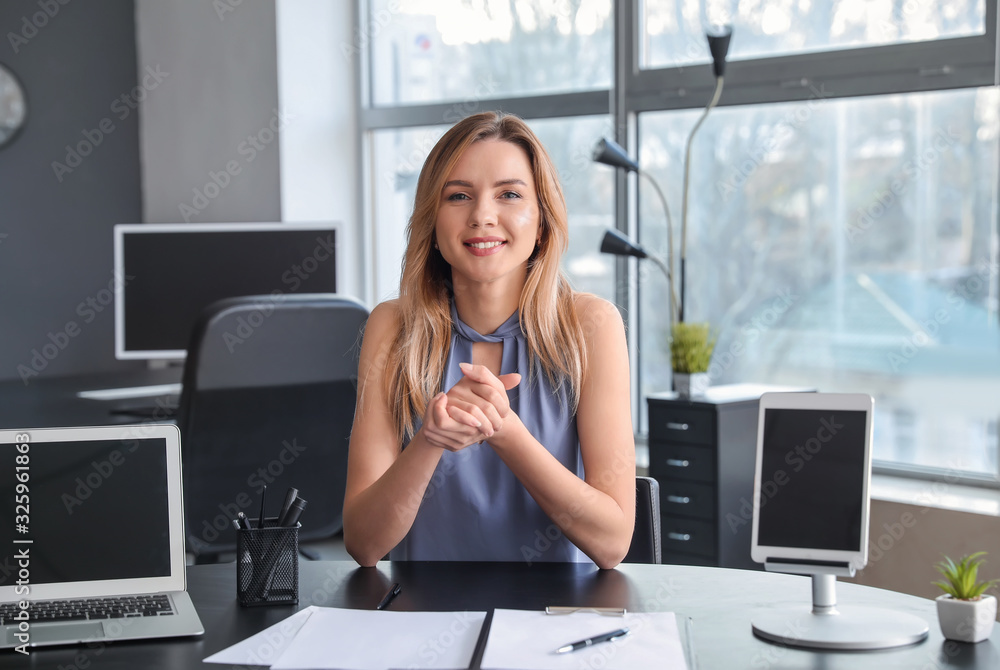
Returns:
<point x="829" y="626"/>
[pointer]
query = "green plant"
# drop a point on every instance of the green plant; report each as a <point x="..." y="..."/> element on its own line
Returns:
<point x="962" y="578"/>
<point x="691" y="346"/>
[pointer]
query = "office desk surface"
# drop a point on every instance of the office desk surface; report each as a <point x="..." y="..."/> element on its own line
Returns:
<point x="52" y="401"/>
<point x="719" y="602"/>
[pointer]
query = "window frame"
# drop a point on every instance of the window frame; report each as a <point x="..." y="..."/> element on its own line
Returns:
<point x="909" y="67"/>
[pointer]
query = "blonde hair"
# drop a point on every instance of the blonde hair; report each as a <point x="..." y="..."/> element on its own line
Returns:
<point x="547" y="312"/>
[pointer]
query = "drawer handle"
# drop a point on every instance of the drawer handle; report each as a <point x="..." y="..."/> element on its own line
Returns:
<point x="682" y="537"/>
<point x="683" y="500"/>
<point x="677" y="425"/>
<point x="678" y="462"/>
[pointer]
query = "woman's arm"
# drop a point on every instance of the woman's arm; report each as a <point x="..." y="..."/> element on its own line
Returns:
<point x="598" y="513"/>
<point x="386" y="483"/>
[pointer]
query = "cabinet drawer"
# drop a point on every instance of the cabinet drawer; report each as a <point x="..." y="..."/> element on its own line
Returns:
<point x="688" y="536"/>
<point x="681" y="461"/>
<point x="681" y="424"/>
<point x="679" y="498"/>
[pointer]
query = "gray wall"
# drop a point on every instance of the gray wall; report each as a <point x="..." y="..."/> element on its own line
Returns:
<point x="905" y="541"/>
<point x="55" y="236"/>
<point x="218" y="109"/>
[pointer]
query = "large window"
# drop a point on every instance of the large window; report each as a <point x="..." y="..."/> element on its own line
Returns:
<point x="843" y="226"/>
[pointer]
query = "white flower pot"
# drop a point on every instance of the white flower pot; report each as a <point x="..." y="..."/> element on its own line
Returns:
<point x="687" y="385"/>
<point x="966" y="620"/>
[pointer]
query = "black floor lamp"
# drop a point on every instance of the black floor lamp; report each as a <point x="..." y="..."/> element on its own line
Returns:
<point x="610" y="153"/>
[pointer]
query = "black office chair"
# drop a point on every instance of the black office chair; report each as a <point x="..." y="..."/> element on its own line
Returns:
<point x="268" y="397"/>
<point x="646" y="543"/>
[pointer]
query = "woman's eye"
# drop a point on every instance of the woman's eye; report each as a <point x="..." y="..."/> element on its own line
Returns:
<point x="458" y="196"/>
<point x="510" y="195"/>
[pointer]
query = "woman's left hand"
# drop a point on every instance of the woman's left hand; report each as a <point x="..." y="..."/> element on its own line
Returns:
<point x="481" y="388"/>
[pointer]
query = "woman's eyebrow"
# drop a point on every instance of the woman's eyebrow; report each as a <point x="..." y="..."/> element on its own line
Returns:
<point x="502" y="182"/>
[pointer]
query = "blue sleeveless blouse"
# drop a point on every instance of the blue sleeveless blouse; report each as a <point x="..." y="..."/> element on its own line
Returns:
<point x="474" y="508"/>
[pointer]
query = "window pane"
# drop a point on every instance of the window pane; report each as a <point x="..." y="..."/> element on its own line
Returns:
<point x="847" y="245"/>
<point x="424" y="51"/>
<point x="674" y="33"/>
<point x="589" y="190"/>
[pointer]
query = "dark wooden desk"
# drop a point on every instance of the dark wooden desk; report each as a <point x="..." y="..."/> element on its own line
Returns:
<point x="52" y="402"/>
<point x="719" y="602"/>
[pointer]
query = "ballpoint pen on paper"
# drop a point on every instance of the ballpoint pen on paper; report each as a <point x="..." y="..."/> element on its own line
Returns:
<point x="393" y="592"/>
<point x="597" y="639"/>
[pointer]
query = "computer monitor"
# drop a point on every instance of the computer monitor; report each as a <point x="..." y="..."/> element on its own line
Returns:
<point x="168" y="273"/>
<point x="811" y="515"/>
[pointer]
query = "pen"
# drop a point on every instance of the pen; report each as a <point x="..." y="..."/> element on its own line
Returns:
<point x="393" y="592"/>
<point x="290" y="497"/>
<point x="243" y="520"/>
<point x="606" y="637"/>
<point x="291" y="517"/>
<point x="260" y="522"/>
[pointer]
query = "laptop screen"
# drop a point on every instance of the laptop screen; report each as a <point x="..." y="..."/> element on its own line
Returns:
<point x="98" y="510"/>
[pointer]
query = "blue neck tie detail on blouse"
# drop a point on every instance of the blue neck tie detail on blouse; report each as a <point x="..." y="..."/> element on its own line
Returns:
<point x="474" y="508"/>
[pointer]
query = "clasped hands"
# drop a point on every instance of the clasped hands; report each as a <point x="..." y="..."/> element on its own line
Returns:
<point x="473" y="410"/>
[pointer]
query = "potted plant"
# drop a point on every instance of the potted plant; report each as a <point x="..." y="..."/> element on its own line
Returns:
<point x="691" y="346"/>
<point x="965" y="613"/>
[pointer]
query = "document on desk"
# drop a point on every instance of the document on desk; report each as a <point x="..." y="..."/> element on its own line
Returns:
<point x="527" y="640"/>
<point x="318" y="638"/>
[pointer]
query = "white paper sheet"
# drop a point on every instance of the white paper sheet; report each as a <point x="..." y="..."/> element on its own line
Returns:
<point x="527" y="640"/>
<point x="342" y="639"/>
<point x="266" y="646"/>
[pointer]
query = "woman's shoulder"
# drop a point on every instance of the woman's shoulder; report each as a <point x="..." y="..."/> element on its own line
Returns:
<point x="595" y="311"/>
<point x="383" y="321"/>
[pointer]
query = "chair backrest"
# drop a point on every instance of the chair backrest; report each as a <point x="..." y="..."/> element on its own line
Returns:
<point x="268" y="397"/>
<point x="646" y="543"/>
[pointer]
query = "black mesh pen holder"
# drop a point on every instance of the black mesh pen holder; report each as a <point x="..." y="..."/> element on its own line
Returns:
<point x="267" y="569"/>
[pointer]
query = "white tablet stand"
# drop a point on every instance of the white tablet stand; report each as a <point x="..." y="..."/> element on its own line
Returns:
<point x="830" y="626"/>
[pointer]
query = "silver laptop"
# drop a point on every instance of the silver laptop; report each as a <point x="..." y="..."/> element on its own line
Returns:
<point x="92" y="536"/>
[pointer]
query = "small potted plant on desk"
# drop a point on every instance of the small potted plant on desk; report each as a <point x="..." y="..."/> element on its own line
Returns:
<point x="691" y="346"/>
<point x="964" y="612"/>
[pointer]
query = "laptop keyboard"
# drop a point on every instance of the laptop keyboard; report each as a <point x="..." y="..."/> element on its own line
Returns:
<point x="91" y="609"/>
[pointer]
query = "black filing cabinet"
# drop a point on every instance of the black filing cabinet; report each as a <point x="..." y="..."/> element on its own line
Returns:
<point x="702" y="452"/>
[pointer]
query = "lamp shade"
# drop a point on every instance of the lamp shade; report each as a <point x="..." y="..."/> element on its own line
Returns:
<point x="610" y="153"/>
<point x="618" y="244"/>
<point x="718" y="44"/>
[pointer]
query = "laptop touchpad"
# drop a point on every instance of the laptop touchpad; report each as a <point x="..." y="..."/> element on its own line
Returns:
<point x="69" y="632"/>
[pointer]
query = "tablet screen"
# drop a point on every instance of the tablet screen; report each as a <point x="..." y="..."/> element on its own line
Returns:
<point x="812" y="478"/>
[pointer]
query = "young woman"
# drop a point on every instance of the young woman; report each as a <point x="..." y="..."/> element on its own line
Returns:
<point x="493" y="419"/>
